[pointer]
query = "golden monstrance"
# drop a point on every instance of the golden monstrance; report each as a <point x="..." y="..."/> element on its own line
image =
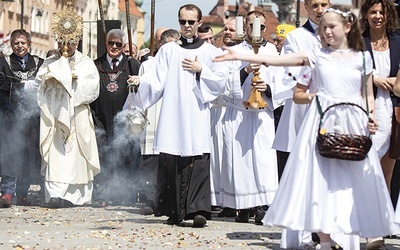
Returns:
<point x="67" y="26"/>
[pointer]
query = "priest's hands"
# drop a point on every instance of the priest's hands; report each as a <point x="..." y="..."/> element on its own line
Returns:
<point x="252" y="66"/>
<point x="192" y="65"/>
<point x="260" y="85"/>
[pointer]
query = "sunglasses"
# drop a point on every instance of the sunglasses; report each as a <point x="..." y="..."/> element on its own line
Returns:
<point x="190" y="22"/>
<point x="262" y="26"/>
<point x="119" y="45"/>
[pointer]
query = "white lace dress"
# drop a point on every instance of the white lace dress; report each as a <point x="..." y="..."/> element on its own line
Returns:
<point x="319" y="194"/>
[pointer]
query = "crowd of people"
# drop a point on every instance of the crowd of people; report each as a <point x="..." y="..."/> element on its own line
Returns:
<point x="69" y="119"/>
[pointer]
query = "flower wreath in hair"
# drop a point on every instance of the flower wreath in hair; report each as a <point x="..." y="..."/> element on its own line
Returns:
<point x="344" y="14"/>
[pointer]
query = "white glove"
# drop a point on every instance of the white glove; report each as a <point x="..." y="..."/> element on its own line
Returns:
<point x="31" y="85"/>
<point x="133" y="80"/>
<point x="133" y="83"/>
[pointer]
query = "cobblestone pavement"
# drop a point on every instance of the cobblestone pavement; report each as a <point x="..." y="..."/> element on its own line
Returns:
<point x="119" y="227"/>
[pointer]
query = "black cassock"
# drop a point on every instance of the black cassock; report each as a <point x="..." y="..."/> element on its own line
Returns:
<point x="183" y="187"/>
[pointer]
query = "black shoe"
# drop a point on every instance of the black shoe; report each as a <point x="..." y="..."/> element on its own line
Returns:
<point x="52" y="203"/>
<point x="252" y="212"/>
<point x="99" y="204"/>
<point x="243" y="216"/>
<point x="172" y="221"/>
<point x="56" y="202"/>
<point x="260" y="213"/>
<point x="376" y="245"/>
<point x="216" y="209"/>
<point x="199" y="221"/>
<point x="146" y="210"/>
<point x="23" y="201"/>
<point x="227" y="212"/>
<point x="6" y="201"/>
<point x="391" y="236"/>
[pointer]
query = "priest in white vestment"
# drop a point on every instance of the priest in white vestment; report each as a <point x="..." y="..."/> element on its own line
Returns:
<point x="68" y="145"/>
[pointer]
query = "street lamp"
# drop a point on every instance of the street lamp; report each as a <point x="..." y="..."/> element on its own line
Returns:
<point x="39" y="13"/>
<point x="22" y="10"/>
<point x="38" y="4"/>
<point x="235" y="12"/>
<point x="298" y="14"/>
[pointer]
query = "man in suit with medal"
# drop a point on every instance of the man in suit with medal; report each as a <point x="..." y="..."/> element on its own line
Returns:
<point x="19" y="112"/>
<point x="119" y="157"/>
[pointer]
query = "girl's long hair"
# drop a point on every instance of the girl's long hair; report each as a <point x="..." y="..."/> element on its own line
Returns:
<point x="354" y="38"/>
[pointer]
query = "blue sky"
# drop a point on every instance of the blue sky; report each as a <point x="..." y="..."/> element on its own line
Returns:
<point x="166" y="11"/>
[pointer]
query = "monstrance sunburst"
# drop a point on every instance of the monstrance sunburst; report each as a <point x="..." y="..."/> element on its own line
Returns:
<point x="67" y="26"/>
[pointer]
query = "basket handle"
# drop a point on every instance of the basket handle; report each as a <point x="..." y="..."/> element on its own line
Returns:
<point x="322" y="113"/>
<point x="364" y="79"/>
<point x="339" y="104"/>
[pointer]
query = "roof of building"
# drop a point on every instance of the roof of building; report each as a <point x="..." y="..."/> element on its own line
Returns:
<point x="133" y="9"/>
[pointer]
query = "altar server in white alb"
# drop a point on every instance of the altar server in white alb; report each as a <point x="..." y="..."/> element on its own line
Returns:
<point x="217" y="112"/>
<point x="187" y="80"/>
<point x="249" y="174"/>
<point x="67" y="138"/>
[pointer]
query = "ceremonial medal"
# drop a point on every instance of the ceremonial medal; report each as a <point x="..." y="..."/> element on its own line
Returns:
<point x="20" y="74"/>
<point x="113" y="85"/>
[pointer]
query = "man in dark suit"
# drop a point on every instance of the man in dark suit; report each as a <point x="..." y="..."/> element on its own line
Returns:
<point x="119" y="151"/>
<point x="19" y="123"/>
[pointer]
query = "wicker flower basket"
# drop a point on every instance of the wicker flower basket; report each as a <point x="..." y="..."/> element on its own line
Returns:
<point x="343" y="146"/>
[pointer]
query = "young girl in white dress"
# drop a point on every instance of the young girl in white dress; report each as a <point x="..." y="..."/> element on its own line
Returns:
<point x="325" y="195"/>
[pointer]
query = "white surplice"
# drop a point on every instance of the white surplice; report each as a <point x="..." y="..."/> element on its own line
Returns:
<point x="67" y="138"/>
<point x="249" y="175"/>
